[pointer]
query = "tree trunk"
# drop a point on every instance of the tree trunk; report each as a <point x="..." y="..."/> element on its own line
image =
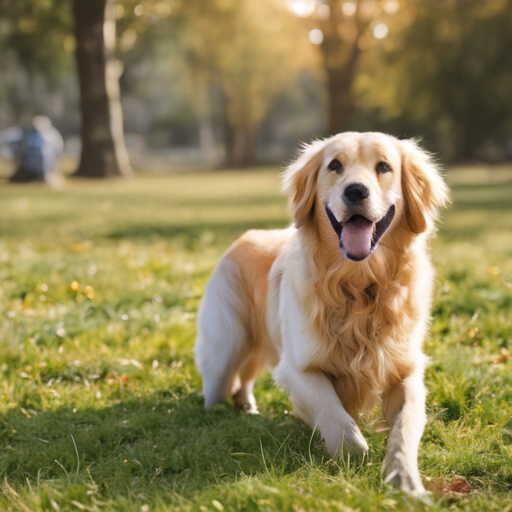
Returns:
<point x="229" y="145"/>
<point x="241" y="147"/>
<point x="239" y="140"/>
<point x="340" y="78"/>
<point x="103" y="149"/>
<point x="341" y="52"/>
<point x="341" y="102"/>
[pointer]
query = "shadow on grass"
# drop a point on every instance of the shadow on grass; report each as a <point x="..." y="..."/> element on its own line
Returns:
<point x="494" y="185"/>
<point x="187" y="234"/>
<point x="497" y="204"/>
<point x="458" y="233"/>
<point x="191" y="232"/>
<point x="150" y="445"/>
<point x="492" y="216"/>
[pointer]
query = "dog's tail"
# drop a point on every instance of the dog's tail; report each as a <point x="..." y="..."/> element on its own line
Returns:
<point x="222" y="332"/>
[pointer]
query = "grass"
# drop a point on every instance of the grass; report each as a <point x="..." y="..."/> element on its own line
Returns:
<point x="100" y="405"/>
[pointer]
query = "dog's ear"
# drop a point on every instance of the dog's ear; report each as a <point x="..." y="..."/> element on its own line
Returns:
<point x="423" y="187"/>
<point x="299" y="182"/>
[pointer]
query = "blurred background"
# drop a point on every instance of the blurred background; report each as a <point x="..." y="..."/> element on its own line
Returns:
<point x="101" y="280"/>
<point x="239" y="83"/>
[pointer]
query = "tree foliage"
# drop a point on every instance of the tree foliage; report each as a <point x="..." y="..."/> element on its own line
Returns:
<point x="437" y="68"/>
<point x="39" y="32"/>
<point x="344" y="30"/>
<point x="259" y="55"/>
<point x="447" y="75"/>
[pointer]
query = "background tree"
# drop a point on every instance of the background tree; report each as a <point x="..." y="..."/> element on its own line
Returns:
<point x="343" y="30"/>
<point x="245" y="76"/>
<point x="253" y="52"/>
<point x="446" y="74"/>
<point x="262" y="59"/>
<point x="35" y="37"/>
<point x="40" y="34"/>
<point x="103" y="149"/>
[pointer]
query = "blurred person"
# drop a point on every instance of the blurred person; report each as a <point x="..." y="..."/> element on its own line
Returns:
<point x="36" y="148"/>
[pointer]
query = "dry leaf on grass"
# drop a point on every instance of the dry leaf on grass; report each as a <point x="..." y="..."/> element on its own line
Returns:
<point x="457" y="485"/>
<point x="503" y="357"/>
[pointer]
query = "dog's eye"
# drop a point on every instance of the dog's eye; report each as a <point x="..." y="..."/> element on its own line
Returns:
<point x="336" y="166"/>
<point x="383" y="167"/>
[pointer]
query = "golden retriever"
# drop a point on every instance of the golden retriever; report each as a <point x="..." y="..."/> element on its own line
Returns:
<point x="337" y="304"/>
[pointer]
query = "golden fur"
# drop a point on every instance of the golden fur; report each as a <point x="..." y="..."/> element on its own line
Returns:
<point x="359" y="309"/>
<point x="363" y="321"/>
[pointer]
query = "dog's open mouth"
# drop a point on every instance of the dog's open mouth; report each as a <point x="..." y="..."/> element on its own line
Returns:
<point x="358" y="236"/>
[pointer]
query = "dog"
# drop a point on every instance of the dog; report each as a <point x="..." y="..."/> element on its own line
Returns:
<point x="338" y="304"/>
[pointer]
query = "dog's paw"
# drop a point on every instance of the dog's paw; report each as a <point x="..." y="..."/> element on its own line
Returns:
<point x="245" y="403"/>
<point x="353" y="441"/>
<point x="403" y="474"/>
<point x="246" y="408"/>
<point x="343" y="438"/>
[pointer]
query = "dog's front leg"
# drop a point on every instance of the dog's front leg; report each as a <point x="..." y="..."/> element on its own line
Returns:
<point x="315" y="402"/>
<point x="404" y="408"/>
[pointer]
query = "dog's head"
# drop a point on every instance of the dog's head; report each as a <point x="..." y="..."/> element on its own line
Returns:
<point x="365" y="184"/>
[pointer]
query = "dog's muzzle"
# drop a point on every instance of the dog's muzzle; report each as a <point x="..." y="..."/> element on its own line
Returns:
<point x="358" y="236"/>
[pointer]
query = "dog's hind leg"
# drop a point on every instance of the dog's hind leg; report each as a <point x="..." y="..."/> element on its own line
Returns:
<point x="249" y="371"/>
<point x="222" y="337"/>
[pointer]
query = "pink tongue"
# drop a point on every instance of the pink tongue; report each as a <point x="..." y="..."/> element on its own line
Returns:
<point x="356" y="237"/>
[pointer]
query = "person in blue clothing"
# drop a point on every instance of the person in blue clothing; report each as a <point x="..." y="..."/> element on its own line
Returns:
<point x="36" y="149"/>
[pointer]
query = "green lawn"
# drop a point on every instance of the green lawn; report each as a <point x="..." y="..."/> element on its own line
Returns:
<point x="100" y="405"/>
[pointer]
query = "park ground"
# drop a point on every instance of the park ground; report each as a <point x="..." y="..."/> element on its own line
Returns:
<point x="100" y="401"/>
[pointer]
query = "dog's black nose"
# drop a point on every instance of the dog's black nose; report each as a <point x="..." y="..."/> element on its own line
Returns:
<point x="356" y="193"/>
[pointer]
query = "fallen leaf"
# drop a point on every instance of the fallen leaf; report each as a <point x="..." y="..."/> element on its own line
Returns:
<point x="458" y="485"/>
<point x="503" y="357"/>
<point x="455" y="486"/>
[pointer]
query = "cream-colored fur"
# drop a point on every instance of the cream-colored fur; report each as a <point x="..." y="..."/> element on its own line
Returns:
<point x="337" y="333"/>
